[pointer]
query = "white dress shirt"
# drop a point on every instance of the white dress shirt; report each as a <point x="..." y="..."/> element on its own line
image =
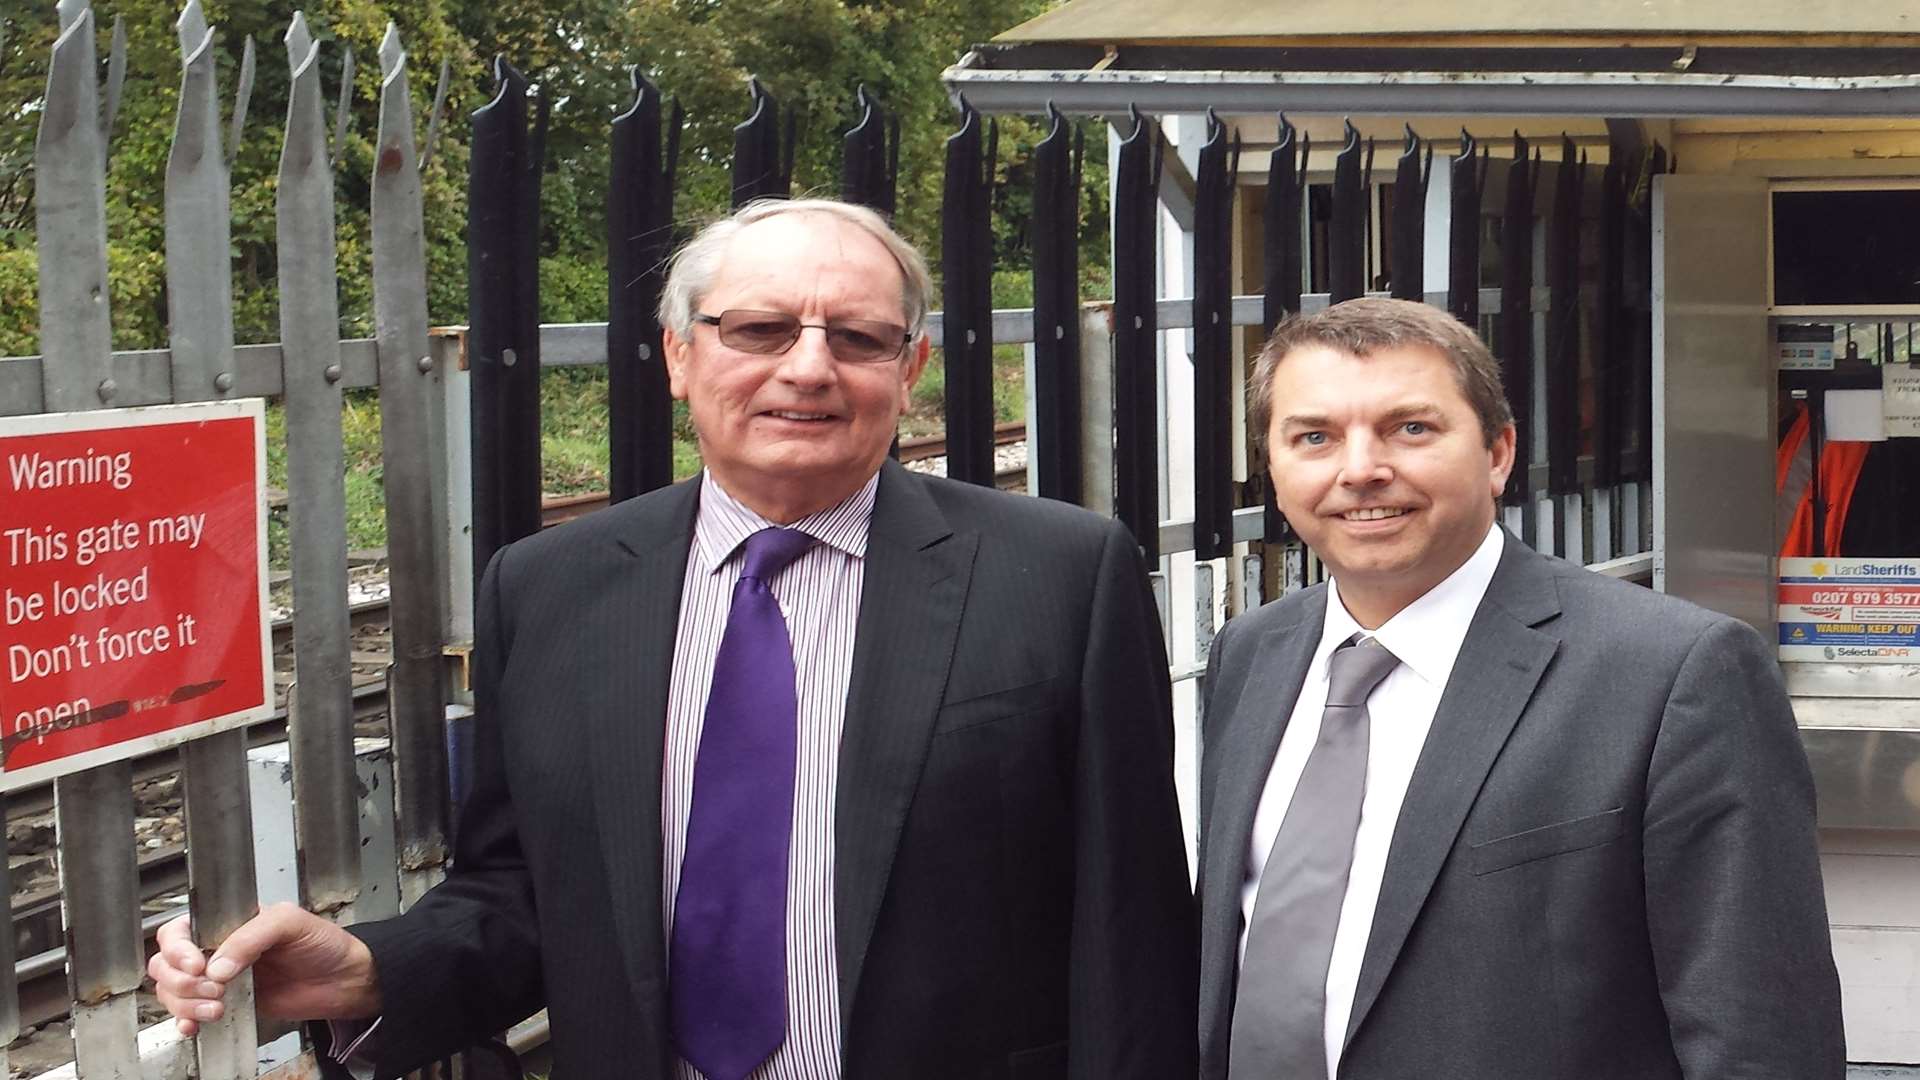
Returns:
<point x="819" y="595"/>
<point x="1426" y="635"/>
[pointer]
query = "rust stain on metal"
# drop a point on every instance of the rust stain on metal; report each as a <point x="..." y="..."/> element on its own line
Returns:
<point x="328" y="903"/>
<point x="458" y="334"/>
<point x="462" y="655"/>
<point x="423" y="856"/>
<point x="93" y="993"/>
<point x="1105" y="308"/>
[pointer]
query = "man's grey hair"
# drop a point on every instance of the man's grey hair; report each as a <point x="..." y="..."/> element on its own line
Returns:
<point x="691" y="272"/>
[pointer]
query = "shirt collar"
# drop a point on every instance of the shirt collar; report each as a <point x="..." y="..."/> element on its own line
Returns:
<point x="1427" y="634"/>
<point x="724" y="523"/>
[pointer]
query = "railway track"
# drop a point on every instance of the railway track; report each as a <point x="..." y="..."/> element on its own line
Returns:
<point x="560" y="509"/>
<point x="39" y="935"/>
<point x="41" y="974"/>
<point x="922" y="447"/>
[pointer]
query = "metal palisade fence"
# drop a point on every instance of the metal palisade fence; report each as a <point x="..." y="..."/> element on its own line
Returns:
<point x="309" y="369"/>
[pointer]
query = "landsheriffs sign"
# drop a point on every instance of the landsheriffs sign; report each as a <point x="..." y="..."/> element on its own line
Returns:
<point x="1854" y="611"/>
<point x="133" y="593"/>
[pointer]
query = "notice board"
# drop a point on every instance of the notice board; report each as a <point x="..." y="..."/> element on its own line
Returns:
<point x="133" y="557"/>
<point x="1850" y="611"/>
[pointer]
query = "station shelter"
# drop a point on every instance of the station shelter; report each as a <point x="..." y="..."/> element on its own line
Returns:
<point x="1771" y="151"/>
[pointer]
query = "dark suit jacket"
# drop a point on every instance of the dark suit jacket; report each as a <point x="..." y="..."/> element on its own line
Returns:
<point x="1010" y="890"/>
<point x="1606" y="863"/>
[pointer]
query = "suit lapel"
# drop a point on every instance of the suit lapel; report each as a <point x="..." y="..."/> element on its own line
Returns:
<point x="917" y="574"/>
<point x="1240" y="760"/>
<point x="1500" y="664"/>
<point x="626" y="712"/>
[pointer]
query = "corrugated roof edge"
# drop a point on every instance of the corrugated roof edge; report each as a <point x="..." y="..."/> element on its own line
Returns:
<point x="1442" y="22"/>
<point x="1426" y="92"/>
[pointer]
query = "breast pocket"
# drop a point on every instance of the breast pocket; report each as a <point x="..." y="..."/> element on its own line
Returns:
<point x="976" y="709"/>
<point x="1040" y="1063"/>
<point x="1546" y="841"/>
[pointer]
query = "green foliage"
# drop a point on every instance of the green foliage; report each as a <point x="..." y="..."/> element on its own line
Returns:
<point x="573" y="429"/>
<point x="25" y="37"/>
<point x="812" y="54"/>
<point x="573" y="453"/>
<point x="365" y="493"/>
<point x="279" y="527"/>
<point x="927" y="409"/>
<point x="572" y="290"/>
<point x="135" y="283"/>
<point x="19" y="280"/>
<point x="365" y="475"/>
<point x="142" y="140"/>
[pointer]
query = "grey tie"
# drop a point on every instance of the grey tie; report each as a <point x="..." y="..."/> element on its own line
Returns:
<point x="1279" y="1013"/>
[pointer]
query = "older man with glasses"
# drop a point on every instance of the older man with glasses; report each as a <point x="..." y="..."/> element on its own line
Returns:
<point x="806" y="768"/>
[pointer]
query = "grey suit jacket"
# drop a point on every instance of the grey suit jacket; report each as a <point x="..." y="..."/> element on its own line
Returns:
<point x="1010" y="890"/>
<point x="1605" y="866"/>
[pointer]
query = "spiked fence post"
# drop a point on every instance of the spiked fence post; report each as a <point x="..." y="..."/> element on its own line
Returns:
<point x="1610" y="337"/>
<point x="413" y="470"/>
<point x="1136" y="342"/>
<point x="1286" y="183"/>
<point x="221" y="887"/>
<point x="1213" y="344"/>
<point x="1053" y="434"/>
<point x="1286" y="186"/>
<point x="869" y="156"/>
<point x="1463" y="235"/>
<point x="1407" y="271"/>
<point x="70" y="209"/>
<point x="1514" y="340"/>
<point x="320" y="729"/>
<point x="1563" y="325"/>
<point x="762" y="164"/>
<point x="639" y="239"/>
<point x="1640" y="259"/>
<point x="93" y="809"/>
<point x="967" y="280"/>
<point x="1347" y="229"/>
<point x="503" y="298"/>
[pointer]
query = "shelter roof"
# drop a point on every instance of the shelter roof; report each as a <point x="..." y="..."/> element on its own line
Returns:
<point x="1643" y="58"/>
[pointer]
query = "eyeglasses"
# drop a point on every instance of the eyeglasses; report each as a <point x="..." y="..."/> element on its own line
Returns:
<point x="771" y="333"/>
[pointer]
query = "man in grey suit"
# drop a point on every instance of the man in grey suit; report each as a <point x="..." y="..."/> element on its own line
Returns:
<point x="1473" y="813"/>
<point x="808" y="768"/>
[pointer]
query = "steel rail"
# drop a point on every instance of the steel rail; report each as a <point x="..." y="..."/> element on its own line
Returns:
<point x="369" y="701"/>
<point x="42" y="975"/>
<point x="560" y="509"/>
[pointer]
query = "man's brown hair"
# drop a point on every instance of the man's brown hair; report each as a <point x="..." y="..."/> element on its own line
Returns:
<point x="1366" y="326"/>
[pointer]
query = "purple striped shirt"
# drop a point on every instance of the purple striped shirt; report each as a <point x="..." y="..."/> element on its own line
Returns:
<point x="820" y="596"/>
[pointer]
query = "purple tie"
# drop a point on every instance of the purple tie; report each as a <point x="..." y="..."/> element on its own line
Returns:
<point x="727" y="976"/>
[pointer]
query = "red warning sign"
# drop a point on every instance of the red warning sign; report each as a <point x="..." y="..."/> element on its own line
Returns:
<point x="133" y="559"/>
